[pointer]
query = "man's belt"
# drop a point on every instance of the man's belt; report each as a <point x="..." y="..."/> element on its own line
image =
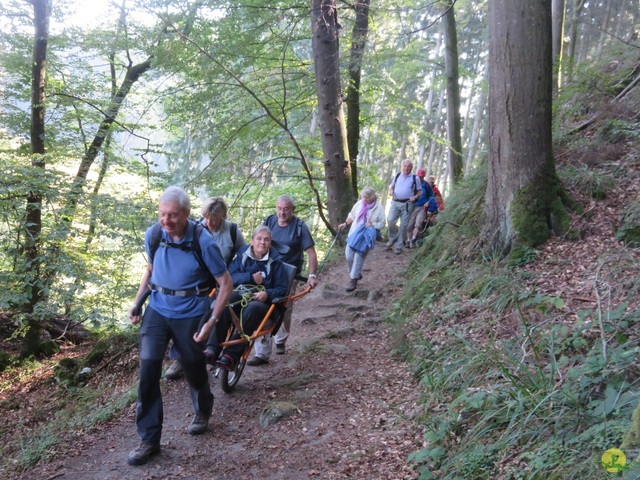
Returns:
<point x="200" y="291"/>
<point x="401" y="201"/>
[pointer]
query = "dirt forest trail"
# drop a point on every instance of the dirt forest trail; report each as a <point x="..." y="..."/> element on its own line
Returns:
<point x="352" y="405"/>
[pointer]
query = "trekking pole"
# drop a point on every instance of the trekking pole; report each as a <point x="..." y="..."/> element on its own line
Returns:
<point x="328" y="251"/>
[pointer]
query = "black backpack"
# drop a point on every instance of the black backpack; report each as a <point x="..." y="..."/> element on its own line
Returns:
<point x="415" y="190"/>
<point x="156" y="241"/>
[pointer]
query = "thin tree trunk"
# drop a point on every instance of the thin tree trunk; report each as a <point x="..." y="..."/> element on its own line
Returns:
<point x="358" y="43"/>
<point x="34" y="273"/>
<point x="477" y="125"/>
<point x="133" y="74"/>
<point x="557" y="42"/>
<point x="453" y="95"/>
<point x="436" y="132"/>
<point x="604" y="29"/>
<point x="573" y="37"/>
<point x="337" y="169"/>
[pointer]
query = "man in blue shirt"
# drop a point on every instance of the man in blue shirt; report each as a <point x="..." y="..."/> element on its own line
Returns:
<point x="180" y="282"/>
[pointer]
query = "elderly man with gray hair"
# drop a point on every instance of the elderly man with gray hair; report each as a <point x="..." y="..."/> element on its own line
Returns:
<point x="288" y="230"/>
<point x="183" y="260"/>
<point x="404" y="190"/>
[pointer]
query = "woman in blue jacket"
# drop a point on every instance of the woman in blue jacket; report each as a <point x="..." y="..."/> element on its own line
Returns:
<point x="257" y="266"/>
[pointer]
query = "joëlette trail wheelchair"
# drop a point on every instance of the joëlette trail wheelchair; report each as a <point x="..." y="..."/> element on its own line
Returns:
<point x="269" y="325"/>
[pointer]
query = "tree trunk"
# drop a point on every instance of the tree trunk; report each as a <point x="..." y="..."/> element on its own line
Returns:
<point x="557" y="35"/>
<point x="33" y="266"/>
<point x="436" y="132"/>
<point x="477" y="126"/>
<point x="522" y="198"/>
<point x="604" y="29"/>
<point x="337" y="170"/>
<point x="570" y="58"/>
<point x="133" y="74"/>
<point x="358" y="43"/>
<point x="453" y="95"/>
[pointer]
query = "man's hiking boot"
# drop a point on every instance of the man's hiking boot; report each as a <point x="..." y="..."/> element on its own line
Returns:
<point x="211" y="354"/>
<point x="143" y="453"/>
<point x="199" y="424"/>
<point x="352" y="285"/>
<point x="255" y="361"/>
<point x="280" y="349"/>
<point x="174" y="371"/>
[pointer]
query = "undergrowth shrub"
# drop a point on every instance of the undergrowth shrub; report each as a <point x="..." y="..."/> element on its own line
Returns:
<point x="629" y="231"/>
<point x="592" y="182"/>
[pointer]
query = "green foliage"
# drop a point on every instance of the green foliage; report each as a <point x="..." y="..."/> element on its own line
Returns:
<point x="551" y="401"/>
<point x="593" y="183"/>
<point x="617" y="131"/>
<point x="6" y="360"/>
<point x="76" y="412"/>
<point x="629" y="231"/>
<point x="523" y="255"/>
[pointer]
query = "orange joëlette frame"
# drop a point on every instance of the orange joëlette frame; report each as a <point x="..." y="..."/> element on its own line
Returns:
<point x="261" y="331"/>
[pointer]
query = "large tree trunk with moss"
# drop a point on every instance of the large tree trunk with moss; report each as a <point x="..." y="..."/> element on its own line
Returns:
<point x="337" y="170"/>
<point x="522" y="200"/>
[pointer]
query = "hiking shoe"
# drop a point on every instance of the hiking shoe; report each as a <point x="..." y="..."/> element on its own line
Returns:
<point x="280" y="349"/>
<point x="388" y="248"/>
<point x="352" y="285"/>
<point x="143" y="453"/>
<point x="174" y="371"/>
<point x="226" y="362"/>
<point x="211" y="355"/>
<point x="199" y="424"/>
<point x="255" y="361"/>
<point x="398" y="252"/>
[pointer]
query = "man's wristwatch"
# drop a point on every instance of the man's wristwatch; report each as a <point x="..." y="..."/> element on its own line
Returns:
<point x="312" y="275"/>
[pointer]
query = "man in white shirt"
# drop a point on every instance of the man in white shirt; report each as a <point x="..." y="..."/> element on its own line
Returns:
<point x="404" y="190"/>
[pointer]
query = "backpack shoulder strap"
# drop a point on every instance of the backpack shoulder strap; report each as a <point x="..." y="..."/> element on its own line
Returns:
<point x="233" y="230"/>
<point x="156" y="236"/>
<point x="195" y="245"/>
<point x="298" y="229"/>
<point x="267" y="221"/>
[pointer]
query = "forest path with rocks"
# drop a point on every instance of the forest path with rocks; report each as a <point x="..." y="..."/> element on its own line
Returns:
<point x="347" y="408"/>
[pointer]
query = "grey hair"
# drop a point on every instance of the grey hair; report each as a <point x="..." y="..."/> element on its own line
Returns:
<point x="214" y="207"/>
<point x="286" y="198"/>
<point x="177" y="195"/>
<point x="407" y="161"/>
<point x="369" y="192"/>
<point x="260" y="228"/>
